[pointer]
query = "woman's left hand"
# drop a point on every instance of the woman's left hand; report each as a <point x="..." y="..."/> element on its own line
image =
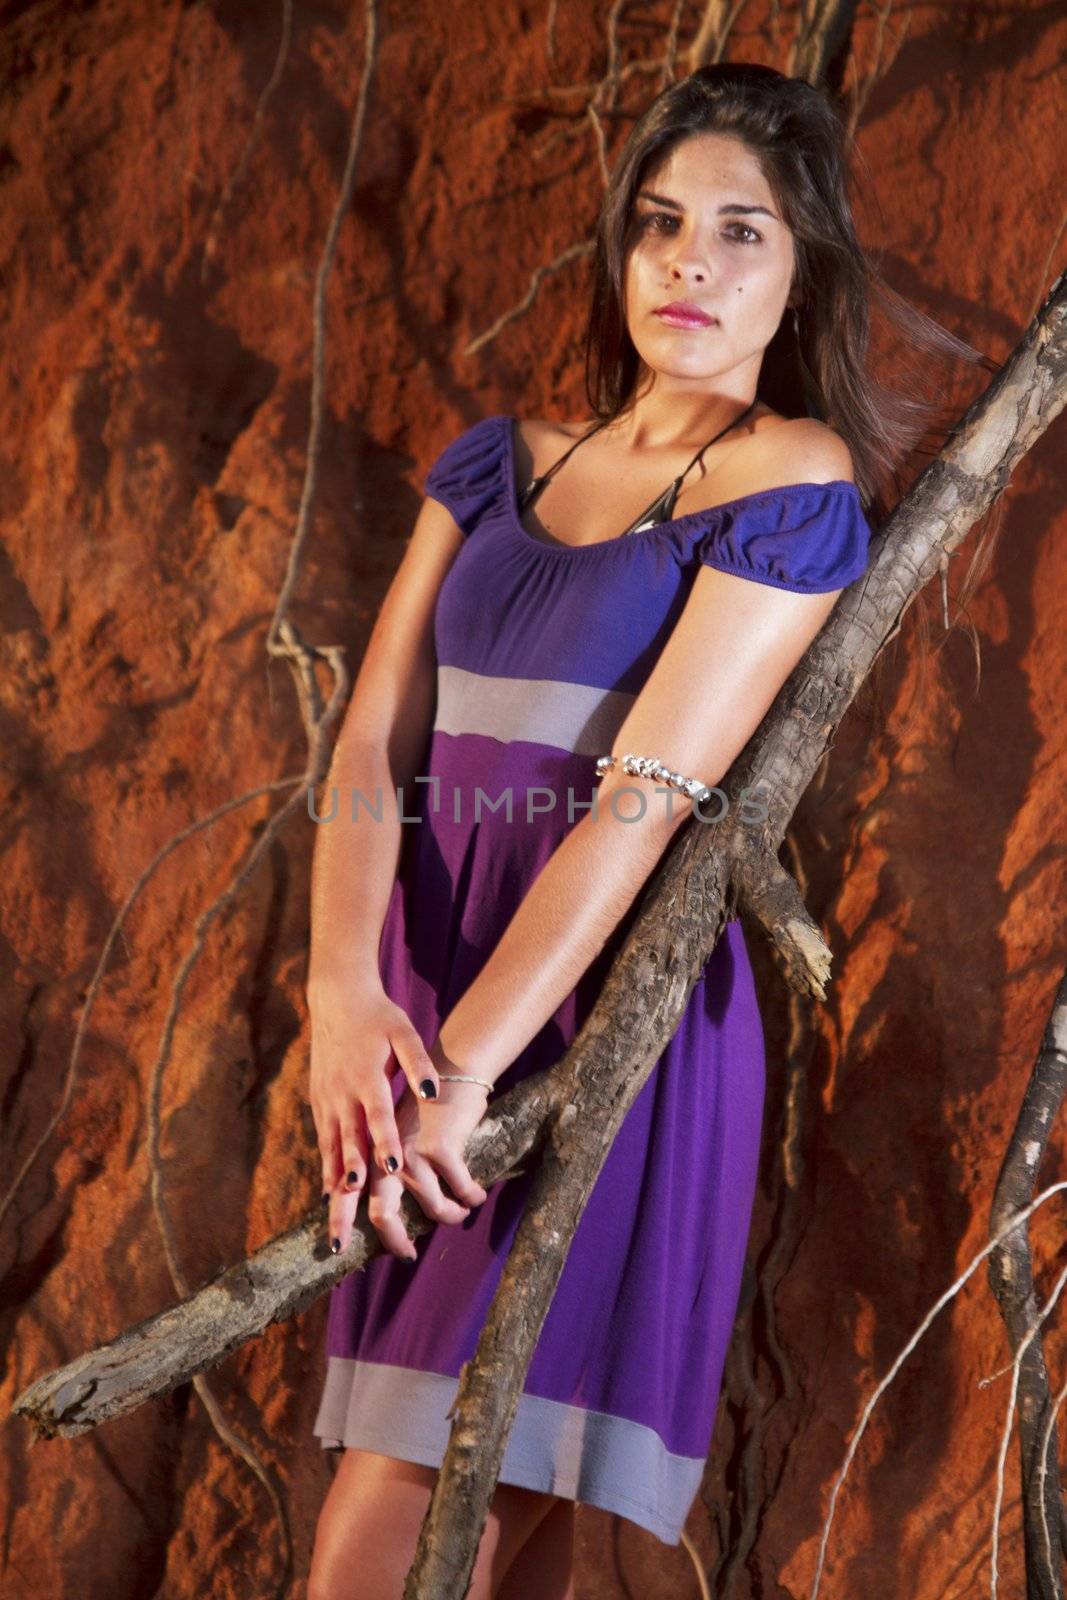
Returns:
<point x="433" y="1134"/>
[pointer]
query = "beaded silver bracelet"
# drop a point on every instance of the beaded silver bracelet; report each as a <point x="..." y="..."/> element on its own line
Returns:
<point x="652" y="767"/>
<point x="465" y="1077"/>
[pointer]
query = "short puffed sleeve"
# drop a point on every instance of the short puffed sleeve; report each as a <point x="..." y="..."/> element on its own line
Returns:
<point x="809" y="537"/>
<point x="468" y="475"/>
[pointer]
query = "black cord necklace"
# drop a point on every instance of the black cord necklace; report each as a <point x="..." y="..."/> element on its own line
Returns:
<point x="662" y="508"/>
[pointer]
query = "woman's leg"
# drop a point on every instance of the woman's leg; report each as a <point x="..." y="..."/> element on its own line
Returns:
<point x="544" y="1567"/>
<point x="369" y="1526"/>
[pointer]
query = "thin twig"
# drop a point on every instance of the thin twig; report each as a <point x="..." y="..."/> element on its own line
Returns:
<point x="236" y="177"/>
<point x="935" y="1311"/>
<point x="110" y="941"/>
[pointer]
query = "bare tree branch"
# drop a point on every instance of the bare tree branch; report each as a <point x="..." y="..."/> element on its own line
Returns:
<point x="211" y="242"/>
<point x="275" y="1283"/>
<point x="1011" y="1277"/>
<point x="1008" y="1254"/>
<point x="935" y="1310"/>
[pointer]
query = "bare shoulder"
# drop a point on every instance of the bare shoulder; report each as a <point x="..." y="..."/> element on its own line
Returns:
<point x="533" y="431"/>
<point x="801" y="450"/>
<point x="538" y="443"/>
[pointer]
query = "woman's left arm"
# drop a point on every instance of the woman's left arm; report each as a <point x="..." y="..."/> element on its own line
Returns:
<point x="734" y="645"/>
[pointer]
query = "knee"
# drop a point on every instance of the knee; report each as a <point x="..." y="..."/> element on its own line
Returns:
<point x="323" y="1584"/>
<point x="335" y="1575"/>
<point x="326" y="1581"/>
<point x="367" y="1529"/>
<point x="319" y="1586"/>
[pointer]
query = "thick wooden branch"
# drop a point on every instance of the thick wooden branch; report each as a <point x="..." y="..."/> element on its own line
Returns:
<point x="1011" y="1277"/>
<point x="683" y="911"/>
<point x="280" y="1279"/>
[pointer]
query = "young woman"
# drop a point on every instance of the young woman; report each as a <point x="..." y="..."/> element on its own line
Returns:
<point x="643" y="581"/>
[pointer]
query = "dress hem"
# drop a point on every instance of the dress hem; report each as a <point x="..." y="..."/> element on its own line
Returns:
<point x="589" y="1456"/>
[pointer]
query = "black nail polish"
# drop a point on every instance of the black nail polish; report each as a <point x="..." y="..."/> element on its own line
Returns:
<point x="391" y="1163"/>
<point x="352" y="1179"/>
<point x="335" y="1246"/>
<point x="428" y="1089"/>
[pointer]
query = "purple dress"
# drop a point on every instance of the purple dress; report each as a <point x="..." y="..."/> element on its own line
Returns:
<point x="541" y="650"/>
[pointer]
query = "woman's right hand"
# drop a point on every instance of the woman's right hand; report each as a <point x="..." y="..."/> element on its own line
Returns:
<point x="355" y="1031"/>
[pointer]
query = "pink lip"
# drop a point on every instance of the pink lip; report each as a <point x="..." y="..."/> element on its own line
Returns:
<point x="682" y="314"/>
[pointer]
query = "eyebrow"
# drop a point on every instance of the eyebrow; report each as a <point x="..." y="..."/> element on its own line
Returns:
<point x="732" y="207"/>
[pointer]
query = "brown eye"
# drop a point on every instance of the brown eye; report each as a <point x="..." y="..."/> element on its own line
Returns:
<point x="655" y="217"/>
<point x="754" y="237"/>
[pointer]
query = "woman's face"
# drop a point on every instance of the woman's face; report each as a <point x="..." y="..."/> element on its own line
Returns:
<point x="714" y="236"/>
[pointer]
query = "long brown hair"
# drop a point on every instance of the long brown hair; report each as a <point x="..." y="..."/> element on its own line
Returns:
<point x="817" y="365"/>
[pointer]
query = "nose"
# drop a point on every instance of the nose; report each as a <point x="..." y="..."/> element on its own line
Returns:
<point x="688" y="263"/>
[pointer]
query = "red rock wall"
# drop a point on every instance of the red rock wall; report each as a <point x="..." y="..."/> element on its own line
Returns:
<point x="159" y="244"/>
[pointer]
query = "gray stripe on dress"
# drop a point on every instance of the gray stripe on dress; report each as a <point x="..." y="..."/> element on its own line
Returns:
<point x="569" y="716"/>
<point x="591" y="1456"/>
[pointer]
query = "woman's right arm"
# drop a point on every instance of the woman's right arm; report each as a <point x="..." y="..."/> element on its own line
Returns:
<point x="354" y="1024"/>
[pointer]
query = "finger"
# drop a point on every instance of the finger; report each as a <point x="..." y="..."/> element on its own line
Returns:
<point x="420" y="1177"/>
<point x="354" y="1147"/>
<point x="415" y="1062"/>
<point x="330" y="1153"/>
<point x="343" y="1209"/>
<point x="380" y="1112"/>
<point x="456" y="1174"/>
<point x="383" y="1208"/>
